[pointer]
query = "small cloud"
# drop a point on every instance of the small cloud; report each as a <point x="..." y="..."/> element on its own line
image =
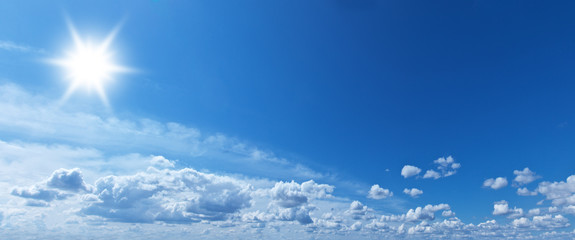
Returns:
<point x="409" y="171"/>
<point x="431" y="174"/>
<point x="526" y="192"/>
<point x="162" y="162"/>
<point x="496" y="183"/>
<point x="502" y="208"/>
<point x="376" y="192"/>
<point x="524" y="177"/>
<point x="414" y="192"/>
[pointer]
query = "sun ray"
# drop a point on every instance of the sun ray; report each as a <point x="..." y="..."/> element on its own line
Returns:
<point x="89" y="66"/>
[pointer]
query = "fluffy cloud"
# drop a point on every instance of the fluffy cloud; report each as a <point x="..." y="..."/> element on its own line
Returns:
<point x="60" y="185"/>
<point x="376" y="192"/>
<point x="559" y="192"/>
<point x="526" y="192"/>
<point x="184" y="195"/>
<point x="542" y="222"/>
<point x="524" y="176"/>
<point x="161" y="162"/>
<point x="409" y="171"/>
<point x="445" y="168"/>
<point x="292" y="194"/>
<point x="502" y="208"/>
<point x="432" y="174"/>
<point x="417" y="214"/>
<point x="496" y="183"/>
<point x="414" y="192"/>
<point x="358" y="211"/>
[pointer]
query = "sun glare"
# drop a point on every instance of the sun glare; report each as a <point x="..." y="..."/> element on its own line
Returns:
<point x="89" y="66"/>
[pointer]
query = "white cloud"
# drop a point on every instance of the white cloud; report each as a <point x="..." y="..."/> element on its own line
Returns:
<point x="502" y="208"/>
<point x="559" y="192"/>
<point x="445" y="168"/>
<point x="377" y="192"/>
<point x="184" y="195"/>
<point x="161" y="162"/>
<point x="542" y="222"/>
<point x="409" y="171"/>
<point x="60" y="185"/>
<point x="526" y="192"/>
<point x="292" y="194"/>
<point x="414" y="192"/>
<point x="432" y="174"/>
<point x="524" y="176"/>
<point x="417" y="214"/>
<point x="496" y="183"/>
<point x="33" y="116"/>
<point x="448" y="213"/>
<point x="358" y="211"/>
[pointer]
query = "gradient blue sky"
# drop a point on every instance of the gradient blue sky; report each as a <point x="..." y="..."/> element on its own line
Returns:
<point x="348" y="91"/>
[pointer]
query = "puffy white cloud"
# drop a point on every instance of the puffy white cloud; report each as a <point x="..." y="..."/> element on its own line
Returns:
<point x="409" y="171"/>
<point x="448" y="213"/>
<point x="559" y="192"/>
<point x="184" y="195"/>
<point x="161" y="162"/>
<point x="414" y="192"/>
<point x="445" y="168"/>
<point x="496" y="183"/>
<point x="524" y="176"/>
<point x="526" y="192"/>
<point x="432" y="174"/>
<point x="70" y="180"/>
<point x="376" y="192"/>
<point x="358" y="211"/>
<point x="417" y="214"/>
<point x="542" y="222"/>
<point x="502" y="208"/>
<point x="292" y="194"/>
<point x="60" y="185"/>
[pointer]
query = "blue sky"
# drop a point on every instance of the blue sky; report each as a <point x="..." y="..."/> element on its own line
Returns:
<point x="245" y="97"/>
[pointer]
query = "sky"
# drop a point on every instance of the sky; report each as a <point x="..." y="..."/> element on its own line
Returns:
<point x="287" y="119"/>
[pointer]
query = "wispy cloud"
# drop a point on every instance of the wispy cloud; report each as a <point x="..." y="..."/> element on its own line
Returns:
<point x="11" y="46"/>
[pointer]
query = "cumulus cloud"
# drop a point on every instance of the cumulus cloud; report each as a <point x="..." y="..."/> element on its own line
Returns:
<point x="292" y="194"/>
<point x="496" y="183"/>
<point x="409" y="171"/>
<point x="60" y="185"/>
<point x="414" y="192"/>
<point x="358" y="211"/>
<point x="432" y="174"/>
<point x="292" y="199"/>
<point x="502" y="208"/>
<point x="445" y="168"/>
<point x="161" y="162"/>
<point x="559" y="192"/>
<point x="377" y="192"/>
<point x="542" y="222"/>
<point x="526" y="192"/>
<point x="417" y="214"/>
<point x="184" y="195"/>
<point x="524" y="176"/>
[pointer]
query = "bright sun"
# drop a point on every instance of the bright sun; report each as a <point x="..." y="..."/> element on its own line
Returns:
<point x="89" y="66"/>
